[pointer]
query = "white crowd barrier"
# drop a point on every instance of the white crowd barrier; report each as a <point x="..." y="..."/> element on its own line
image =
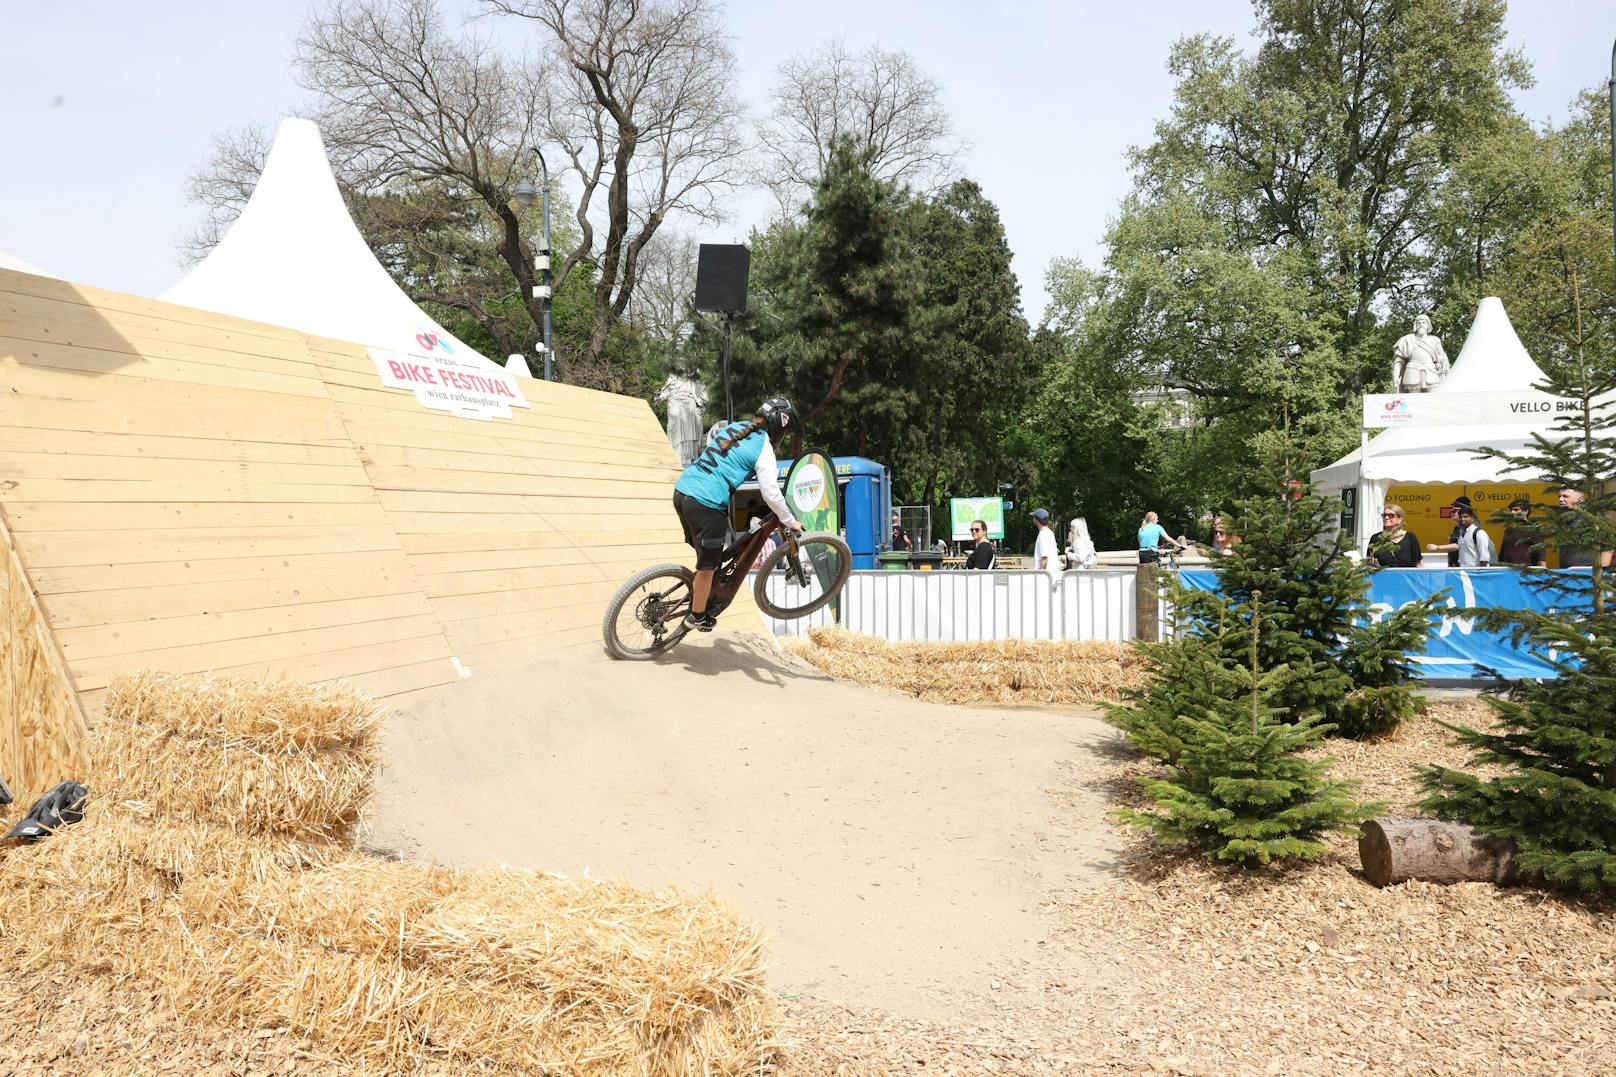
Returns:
<point x="959" y="606"/>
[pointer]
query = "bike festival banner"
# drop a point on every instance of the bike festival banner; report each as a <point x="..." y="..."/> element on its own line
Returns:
<point x="1457" y="647"/>
<point x="1516" y="407"/>
<point x="965" y="511"/>
<point x="466" y="385"/>
<point x="811" y="496"/>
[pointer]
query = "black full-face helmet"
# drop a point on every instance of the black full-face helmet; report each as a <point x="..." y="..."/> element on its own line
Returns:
<point x="778" y="415"/>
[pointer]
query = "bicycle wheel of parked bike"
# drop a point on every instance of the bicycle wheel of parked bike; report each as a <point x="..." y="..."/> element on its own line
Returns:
<point x="795" y="588"/>
<point x="646" y="616"/>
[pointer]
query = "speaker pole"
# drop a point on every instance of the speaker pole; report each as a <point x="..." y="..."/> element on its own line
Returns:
<point x="729" y="401"/>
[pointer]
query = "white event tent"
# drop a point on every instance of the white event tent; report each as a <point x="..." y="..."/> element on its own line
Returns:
<point x="295" y="258"/>
<point x="1493" y="359"/>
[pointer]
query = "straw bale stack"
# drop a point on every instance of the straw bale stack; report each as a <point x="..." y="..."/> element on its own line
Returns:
<point x="192" y="872"/>
<point x="988" y="671"/>
<point x="397" y="963"/>
<point x="256" y="756"/>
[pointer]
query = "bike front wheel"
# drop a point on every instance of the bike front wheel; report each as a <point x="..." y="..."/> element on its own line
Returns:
<point x="806" y="582"/>
<point x="646" y="616"/>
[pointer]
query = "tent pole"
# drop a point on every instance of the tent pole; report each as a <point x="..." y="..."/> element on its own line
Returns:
<point x="1361" y="517"/>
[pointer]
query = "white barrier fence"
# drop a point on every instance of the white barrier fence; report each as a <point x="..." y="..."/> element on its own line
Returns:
<point x="1093" y="604"/>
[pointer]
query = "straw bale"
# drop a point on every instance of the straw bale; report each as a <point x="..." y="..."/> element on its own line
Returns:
<point x="265" y="714"/>
<point x="987" y="671"/>
<point x="388" y="960"/>
<point x="313" y="794"/>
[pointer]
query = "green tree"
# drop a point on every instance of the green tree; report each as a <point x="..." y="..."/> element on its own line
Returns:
<point x="1286" y="218"/>
<point x="1556" y="740"/>
<point x="1291" y="569"/>
<point x="1239" y="787"/>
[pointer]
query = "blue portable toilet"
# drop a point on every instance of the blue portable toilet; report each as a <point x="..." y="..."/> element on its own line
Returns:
<point x="866" y="505"/>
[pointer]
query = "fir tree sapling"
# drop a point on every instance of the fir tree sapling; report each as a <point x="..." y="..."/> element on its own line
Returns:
<point x="1556" y="739"/>
<point x="1351" y="668"/>
<point x="1240" y="789"/>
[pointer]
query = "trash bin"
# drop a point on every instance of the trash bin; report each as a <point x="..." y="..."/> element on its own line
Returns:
<point x="892" y="560"/>
<point x="927" y="561"/>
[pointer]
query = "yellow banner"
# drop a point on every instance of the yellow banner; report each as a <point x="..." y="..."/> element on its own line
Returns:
<point x="1428" y="508"/>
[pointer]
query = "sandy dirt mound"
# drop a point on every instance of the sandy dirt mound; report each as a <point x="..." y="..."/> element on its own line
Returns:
<point x="897" y="852"/>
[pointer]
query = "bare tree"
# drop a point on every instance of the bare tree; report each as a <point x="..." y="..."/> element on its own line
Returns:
<point x="661" y="302"/>
<point x="223" y="185"/>
<point x="642" y="102"/>
<point x="882" y="100"/>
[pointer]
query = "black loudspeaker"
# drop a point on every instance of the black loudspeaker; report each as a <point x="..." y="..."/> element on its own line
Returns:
<point x="721" y="272"/>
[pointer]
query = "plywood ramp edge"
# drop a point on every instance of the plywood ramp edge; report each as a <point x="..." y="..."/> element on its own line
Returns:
<point x="43" y="731"/>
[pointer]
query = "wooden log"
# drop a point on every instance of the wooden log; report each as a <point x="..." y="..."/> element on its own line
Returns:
<point x="1395" y="850"/>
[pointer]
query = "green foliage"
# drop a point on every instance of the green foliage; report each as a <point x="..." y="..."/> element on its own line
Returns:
<point x="1557" y="741"/>
<point x="1352" y="670"/>
<point x="1238" y="788"/>
<point x="893" y="322"/>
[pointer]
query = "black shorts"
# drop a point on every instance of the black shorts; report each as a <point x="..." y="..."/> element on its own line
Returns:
<point x="705" y="529"/>
<point x="1149" y="557"/>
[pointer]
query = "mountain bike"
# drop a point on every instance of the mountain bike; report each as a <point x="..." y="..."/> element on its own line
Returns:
<point x="646" y="616"/>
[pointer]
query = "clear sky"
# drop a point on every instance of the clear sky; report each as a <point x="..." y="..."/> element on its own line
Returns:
<point x="106" y="106"/>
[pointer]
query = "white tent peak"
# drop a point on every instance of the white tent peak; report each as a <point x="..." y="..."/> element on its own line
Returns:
<point x="1493" y="357"/>
<point x="295" y="258"/>
<point x="12" y="262"/>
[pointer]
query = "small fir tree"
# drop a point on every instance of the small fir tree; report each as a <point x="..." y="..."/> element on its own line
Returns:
<point x="1351" y="669"/>
<point x="1239" y="788"/>
<point x="1557" y="738"/>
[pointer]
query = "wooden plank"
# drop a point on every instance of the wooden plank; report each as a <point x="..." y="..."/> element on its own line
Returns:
<point x="437" y="479"/>
<point x="191" y="515"/>
<point x="95" y="673"/>
<point x="60" y="549"/>
<point x="97" y="577"/>
<point x="249" y="423"/>
<point x="578" y="462"/>
<point x="82" y="490"/>
<point x="472" y="541"/>
<point x="365" y="407"/>
<point x="126" y="604"/>
<point x="466" y="583"/>
<point x="102" y="640"/>
<point x="131" y="386"/>
<point x="162" y="447"/>
<point x="182" y="363"/>
<point x="385" y="683"/>
<point x="657" y="516"/>
<point x="559" y="514"/>
<point x="525" y="601"/>
<point x="452" y="564"/>
<point x="39" y="465"/>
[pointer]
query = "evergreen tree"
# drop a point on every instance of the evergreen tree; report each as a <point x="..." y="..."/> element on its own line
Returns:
<point x="1354" y="672"/>
<point x="1557" y="739"/>
<point x="1239" y="788"/>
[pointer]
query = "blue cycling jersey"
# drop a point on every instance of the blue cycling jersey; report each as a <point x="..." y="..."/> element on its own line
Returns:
<point x="713" y="476"/>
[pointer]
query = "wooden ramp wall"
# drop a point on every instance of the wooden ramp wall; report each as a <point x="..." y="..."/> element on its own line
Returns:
<point x="194" y="492"/>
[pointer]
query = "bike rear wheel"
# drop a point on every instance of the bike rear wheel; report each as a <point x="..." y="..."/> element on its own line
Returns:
<point x="818" y="575"/>
<point x="646" y="616"/>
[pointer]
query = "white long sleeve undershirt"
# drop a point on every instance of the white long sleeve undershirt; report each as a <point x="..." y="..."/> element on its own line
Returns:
<point x="767" y="470"/>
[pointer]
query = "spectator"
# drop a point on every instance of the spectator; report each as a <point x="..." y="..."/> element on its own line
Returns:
<point x="1451" y="547"/>
<point x="1394" y="546"/>
<point x="1471" y="546"/>
<point x="1570" y="500"/>
<point x="900" y="540"/>
<point x="1224" y="540"/>
<point x="1080" y="551"/>
<point x="1151" y="538"/>
<point x="1045" y="557"/>
<point x="982" y="552"/>
<point x="1523" y="543"/>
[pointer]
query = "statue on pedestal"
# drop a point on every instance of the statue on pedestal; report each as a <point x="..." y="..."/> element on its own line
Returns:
<point x="686" y="398"/>
<point x="1419" y="362"/>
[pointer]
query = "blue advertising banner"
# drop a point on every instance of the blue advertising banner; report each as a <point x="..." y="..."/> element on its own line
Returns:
<point x="1458" y="648"/>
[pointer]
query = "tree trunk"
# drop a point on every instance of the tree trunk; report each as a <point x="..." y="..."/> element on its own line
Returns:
<point x="1395" y="850"/>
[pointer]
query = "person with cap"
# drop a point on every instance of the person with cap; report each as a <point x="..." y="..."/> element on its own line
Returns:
<point x="1045" y="555"/>
<point x="1471" y="546"/>
<point x="1523" y="543"/>
<point x="1451" y="547"/>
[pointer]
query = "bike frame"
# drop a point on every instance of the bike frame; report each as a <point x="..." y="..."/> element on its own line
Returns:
<point x="730" y="576"/>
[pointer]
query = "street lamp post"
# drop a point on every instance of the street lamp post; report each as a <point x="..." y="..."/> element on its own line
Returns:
<point x="523" y="197"/>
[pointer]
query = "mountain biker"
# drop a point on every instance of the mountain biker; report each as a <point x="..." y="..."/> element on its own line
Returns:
<point x="733" y="454"/>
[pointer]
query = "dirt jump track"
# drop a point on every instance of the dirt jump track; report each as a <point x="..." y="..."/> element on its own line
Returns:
<point x="896" y="851"/>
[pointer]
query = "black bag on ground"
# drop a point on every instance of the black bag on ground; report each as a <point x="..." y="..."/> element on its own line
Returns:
<point x="60" y="807"/>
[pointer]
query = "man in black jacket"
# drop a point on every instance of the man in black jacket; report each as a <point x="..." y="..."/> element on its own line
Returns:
<point x="982" y="553"/>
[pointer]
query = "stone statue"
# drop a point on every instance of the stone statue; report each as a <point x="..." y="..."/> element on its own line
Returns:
<point x="685" y="397"/>
<point x="1419" y="362"/>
